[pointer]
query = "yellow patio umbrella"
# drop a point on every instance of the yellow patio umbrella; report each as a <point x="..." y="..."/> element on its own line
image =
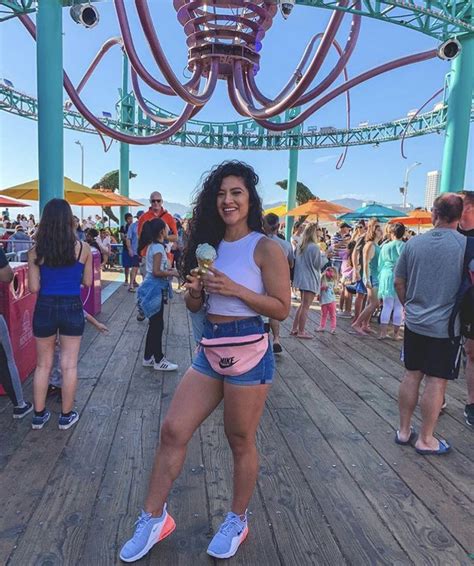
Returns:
<point x="279" y="210"/>
<point x="318" y="207"/>
<point x="74" y="193"/>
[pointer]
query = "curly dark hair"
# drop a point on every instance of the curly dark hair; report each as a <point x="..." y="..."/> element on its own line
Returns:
<point x="206" y="225"/>
<point x="56" y="236"/>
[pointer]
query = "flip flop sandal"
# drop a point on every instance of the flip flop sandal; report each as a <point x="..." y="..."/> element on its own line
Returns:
<point x="411" y="439"/>
<point x="443" y="448"/>
<point x="305" y="336"/>
<point x="293" y="333"/>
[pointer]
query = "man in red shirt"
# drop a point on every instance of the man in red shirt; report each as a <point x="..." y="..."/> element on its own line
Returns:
<point x="156" y="210"/>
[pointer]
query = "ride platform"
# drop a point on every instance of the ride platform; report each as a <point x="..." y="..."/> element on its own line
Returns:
<point x="334" y="488"/>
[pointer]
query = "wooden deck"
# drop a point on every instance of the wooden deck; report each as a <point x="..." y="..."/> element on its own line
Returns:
<point x="334" y="489"/>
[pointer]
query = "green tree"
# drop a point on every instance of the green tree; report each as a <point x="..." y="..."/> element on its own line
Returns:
<point x="303" y="192"/>
<point x="110" y="182"/>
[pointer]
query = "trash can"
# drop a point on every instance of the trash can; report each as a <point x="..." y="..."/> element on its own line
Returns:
<point x="91" y="296"/>
<point x="17" y="306"/>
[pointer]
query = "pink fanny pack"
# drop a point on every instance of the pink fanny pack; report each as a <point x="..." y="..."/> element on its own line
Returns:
<point x="235" y="356"/>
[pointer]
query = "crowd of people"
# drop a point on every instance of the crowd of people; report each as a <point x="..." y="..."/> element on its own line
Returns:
<point x="239" y="276"/>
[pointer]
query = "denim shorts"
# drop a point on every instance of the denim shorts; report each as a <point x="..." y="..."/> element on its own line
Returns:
<point x="261" y="374"/>
<point x="56" y="313"/>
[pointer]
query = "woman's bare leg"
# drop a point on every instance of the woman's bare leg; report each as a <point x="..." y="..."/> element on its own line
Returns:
<point x="195" y="398"/>
<point x="45" y="354"/>
<point x="243" y="408"/>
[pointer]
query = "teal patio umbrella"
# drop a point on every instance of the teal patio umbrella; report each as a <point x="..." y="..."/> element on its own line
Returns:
<point x="373" y="210"/>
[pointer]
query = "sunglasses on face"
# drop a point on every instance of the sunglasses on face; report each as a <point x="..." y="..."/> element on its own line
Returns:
<point x="158" y="200"/>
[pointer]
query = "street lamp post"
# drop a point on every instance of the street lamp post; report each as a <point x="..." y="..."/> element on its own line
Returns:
<point x="82" y="172"/>
<point x="405" y="184"/>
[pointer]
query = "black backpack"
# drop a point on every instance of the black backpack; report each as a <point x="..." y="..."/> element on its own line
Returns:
<point x="464" y="305"/>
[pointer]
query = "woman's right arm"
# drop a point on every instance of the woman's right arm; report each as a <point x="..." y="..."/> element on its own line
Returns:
<point x="34" y="279"/>
<point x="194" y="293"/>
<point x="87" y="275"/>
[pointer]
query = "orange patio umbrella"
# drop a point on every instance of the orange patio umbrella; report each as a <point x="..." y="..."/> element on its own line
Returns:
<point x="318" y="207"/>
<point x="118" y="200"/>
<point x="418" y="217"/>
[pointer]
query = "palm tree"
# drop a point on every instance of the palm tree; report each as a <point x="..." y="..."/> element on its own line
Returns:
<point x="110" y="182"/>
<point x="303" y="193"/>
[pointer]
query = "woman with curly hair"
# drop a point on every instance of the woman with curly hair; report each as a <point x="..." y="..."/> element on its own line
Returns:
<point x="57" y="265"/>
<point x="248" y="280"/>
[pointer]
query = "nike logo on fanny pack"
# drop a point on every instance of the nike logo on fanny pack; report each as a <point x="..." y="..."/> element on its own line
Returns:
<point x="225" y="363"/>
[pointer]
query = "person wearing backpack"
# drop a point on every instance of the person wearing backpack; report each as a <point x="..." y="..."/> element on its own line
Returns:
<point x="428" y="276"/>
<point x="466" y="228"/>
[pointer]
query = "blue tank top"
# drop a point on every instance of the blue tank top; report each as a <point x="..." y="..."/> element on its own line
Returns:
<point x="63" y="281"/>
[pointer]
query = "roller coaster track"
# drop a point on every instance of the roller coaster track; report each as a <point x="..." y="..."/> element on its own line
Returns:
<point x="243" y="134"/>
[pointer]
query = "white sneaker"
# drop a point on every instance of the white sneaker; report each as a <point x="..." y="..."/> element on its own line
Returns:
<point x="148" y="363"/>
<point x="165" y="365"/>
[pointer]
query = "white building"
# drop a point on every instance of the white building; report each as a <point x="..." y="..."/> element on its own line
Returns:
<point x="433" y="182"/>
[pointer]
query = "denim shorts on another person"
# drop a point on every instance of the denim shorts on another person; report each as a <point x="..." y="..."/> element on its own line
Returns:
<point x="261" y="374"/>
<point x="57" y="313"/>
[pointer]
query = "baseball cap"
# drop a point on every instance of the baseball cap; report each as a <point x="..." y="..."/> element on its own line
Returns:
<point x="345" y="225"/>
<point x="140" y="212"/>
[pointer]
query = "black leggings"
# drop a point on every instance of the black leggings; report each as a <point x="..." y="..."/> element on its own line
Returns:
<point x="153" y="345"/>
<point x="6" y="380"/>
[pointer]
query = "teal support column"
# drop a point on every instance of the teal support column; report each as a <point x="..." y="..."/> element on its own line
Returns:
<point x="456" y="143"/>
<point x="124" y="176"/>
<point x="292" y="171"/>
<point x="291" y="197"/>
<point x="49" y="64"/>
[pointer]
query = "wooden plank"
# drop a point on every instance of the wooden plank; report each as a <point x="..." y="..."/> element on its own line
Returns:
<point x="457" y="469"/>
<point x="385" y="354"/>
<point x="57" y="528"/>
<point x="387" y="492"/>
<point x="371" y="379"/>
<point x="261" y="545"/>
<point x="188" y="498"/>
<point x="301" y="529"/>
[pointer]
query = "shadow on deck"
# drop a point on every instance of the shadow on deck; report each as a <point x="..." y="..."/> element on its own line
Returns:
<point x="333" y="489"/>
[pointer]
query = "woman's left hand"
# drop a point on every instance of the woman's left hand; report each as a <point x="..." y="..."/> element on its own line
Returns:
<point x="217" y="282"/>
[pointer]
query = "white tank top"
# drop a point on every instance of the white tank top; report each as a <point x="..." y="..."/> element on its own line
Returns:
<point x="236" y="260"/>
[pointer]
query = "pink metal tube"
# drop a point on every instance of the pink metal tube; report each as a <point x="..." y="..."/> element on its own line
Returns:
<point x="120" y="136"/>
<point x="391" y="65"/>
<point x="137" y="64"/>
<point x="405" y="131"/>
<point x="297" y="74"/>
<point x="147" y="110"/>
<point x="97" y="59"/>
<point x="161" y="60"/>
<point x="306" y="79"/>
<point x="340" y="65"/>
<point x="307" y="97"/>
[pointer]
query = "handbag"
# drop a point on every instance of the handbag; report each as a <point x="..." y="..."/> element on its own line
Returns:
<point x="236" y="355"/>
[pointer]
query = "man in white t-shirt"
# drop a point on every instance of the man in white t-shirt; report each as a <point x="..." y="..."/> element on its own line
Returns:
<point x="271" y="225"/>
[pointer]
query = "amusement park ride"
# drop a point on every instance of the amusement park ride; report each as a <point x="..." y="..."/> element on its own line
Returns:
<point x="224" y="39"/>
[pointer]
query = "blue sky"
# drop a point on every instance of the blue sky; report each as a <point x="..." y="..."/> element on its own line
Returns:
<point x="369" y="173"/>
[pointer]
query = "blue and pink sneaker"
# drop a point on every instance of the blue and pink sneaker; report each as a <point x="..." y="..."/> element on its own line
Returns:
<point x="149" y="530"/>
<point x="229" y="537"/>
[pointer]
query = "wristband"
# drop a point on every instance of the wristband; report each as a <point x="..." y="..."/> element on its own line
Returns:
<point x="194" y="297"/>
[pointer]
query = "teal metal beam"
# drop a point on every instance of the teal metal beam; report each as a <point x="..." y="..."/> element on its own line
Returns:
<point x="291" y="197"/>
<point x="292" y="171"/>
<point x="440" y="19"/>
<point x="244" y="134"/>
<point x="124" y="176"/>
<point x="49" y="61"/>
<point x="456" y="144"/>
